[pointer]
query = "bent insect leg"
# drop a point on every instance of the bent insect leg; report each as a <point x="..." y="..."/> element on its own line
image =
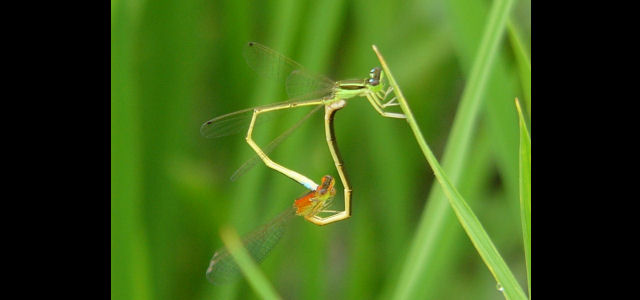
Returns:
<point x="375" y="102"/>
<point x="306" y="182"/>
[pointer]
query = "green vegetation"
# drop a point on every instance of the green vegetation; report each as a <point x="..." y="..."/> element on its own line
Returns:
<point x="176" y="64"/>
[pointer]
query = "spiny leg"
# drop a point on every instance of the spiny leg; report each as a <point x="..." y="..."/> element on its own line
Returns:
<point x="375" y="102"/>
<point x="306" y="182"/>
<point x="389" y="90"/>
<point x="383" y="95"/>
<point x="379" y="97"/>
<point x="391" y="102"/>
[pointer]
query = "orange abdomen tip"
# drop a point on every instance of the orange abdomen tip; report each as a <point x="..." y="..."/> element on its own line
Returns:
<point x="303" y="203"/>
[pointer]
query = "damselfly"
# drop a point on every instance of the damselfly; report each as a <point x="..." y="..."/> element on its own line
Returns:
<point x="305" y="89"/>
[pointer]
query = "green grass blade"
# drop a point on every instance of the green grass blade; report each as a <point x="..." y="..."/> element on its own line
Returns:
<point x="525" y="190"/>
<point x="248" y="267"/>
<point x="130" y="274"/>
<point x="524" y="63"/>
<point x="467" y="218"/>
<point x="432" y="222"/>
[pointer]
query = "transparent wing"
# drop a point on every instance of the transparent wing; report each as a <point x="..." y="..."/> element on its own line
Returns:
<point x="299" y="82"/>
<point x="228" y="124"/>
<point x="259" y="243"/>
<point x="272" y="145"/>
<point x="235" y="122"/>
<point x="303" y="85"/>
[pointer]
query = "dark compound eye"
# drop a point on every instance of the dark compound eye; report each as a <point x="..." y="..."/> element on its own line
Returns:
<point x="375" y="76"/>
<point x="374" y="72"/>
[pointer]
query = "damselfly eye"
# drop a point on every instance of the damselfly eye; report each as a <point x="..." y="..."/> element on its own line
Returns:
<point x="375" y="72"/>
<point x="375" y="76"/>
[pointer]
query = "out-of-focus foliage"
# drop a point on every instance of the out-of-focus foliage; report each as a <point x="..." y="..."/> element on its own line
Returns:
<point x="176" y="64"/>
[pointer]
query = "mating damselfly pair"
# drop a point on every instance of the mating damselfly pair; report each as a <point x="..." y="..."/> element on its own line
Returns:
<point x="304" y="90"/>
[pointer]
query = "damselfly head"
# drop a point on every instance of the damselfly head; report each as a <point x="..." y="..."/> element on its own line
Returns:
<point x="375" y="72"/>
<point x="325" y="186"/>
<point x="374" y="76"/>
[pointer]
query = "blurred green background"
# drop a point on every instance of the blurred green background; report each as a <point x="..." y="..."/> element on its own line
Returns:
<point x="176" y="64"/>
